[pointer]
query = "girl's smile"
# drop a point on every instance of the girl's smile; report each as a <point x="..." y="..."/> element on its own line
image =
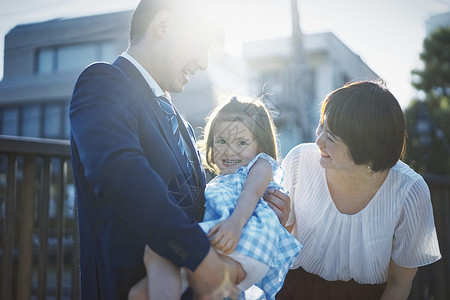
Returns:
<point x="234" y="146"/>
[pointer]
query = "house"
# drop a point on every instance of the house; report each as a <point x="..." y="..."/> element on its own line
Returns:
<point x="43" y="61"/>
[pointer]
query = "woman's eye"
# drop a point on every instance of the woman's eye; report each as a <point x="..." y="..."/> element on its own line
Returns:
<point x="242" y="143"/>
<point x="220" y="141"/>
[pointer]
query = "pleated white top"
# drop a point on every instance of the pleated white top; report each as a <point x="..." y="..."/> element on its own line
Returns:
<point x="398" y="222"/>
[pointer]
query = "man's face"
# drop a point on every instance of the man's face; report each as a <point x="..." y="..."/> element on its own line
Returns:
<point x="184" y="51"/>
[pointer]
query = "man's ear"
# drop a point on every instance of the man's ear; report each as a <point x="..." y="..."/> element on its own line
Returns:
<point x="161" y="22"/>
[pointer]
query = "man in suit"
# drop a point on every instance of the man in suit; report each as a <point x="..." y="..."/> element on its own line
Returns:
<point x="138" y="174"/>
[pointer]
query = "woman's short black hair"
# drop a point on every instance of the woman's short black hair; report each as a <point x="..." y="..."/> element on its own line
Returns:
<point x="369" y="120"/>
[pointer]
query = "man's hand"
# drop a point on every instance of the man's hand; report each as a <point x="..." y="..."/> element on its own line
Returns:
<point x="280" y="203"/>
<point x="225" y="235"/>
<point x="216" y="277"/>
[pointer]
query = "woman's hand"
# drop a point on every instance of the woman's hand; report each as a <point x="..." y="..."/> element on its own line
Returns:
<point x="225" y="235"/>
<point x="280" y="203"/>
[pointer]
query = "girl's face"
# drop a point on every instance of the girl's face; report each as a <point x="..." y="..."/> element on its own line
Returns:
<point x="234" y="146"/>
<point x="334" y="153"/>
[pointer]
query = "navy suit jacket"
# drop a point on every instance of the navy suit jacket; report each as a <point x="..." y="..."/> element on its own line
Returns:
<point x="132" y="184"/>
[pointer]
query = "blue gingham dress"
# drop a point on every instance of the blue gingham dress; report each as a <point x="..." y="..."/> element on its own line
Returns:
<point x="263" y="237"/>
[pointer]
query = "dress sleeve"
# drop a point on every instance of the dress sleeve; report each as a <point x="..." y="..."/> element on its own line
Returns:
<point x="415" y="241"/>
<point x="277" y="171"/>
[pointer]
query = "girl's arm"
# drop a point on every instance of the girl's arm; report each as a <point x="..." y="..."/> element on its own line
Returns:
<point x="399" y="282"/>
<point x="225" y="235"/>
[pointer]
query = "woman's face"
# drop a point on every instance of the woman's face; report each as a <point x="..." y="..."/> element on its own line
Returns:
<point x="334" y="153"/>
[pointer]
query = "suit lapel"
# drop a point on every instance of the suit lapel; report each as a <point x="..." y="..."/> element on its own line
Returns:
<point x="189" y="137"/>
<point x="146" y="93"/>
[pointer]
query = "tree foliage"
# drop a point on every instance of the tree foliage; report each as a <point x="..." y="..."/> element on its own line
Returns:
<point x="428" y="120"/>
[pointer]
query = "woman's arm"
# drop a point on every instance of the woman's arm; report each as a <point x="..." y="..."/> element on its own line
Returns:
<point x="399" y="282"/>
<point x="225" y="235"/>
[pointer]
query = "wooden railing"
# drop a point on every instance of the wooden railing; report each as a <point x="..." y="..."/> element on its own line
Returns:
<point x="39" y="237"/>
<point x="38" y="220"/>
<point x="432" y="282"/>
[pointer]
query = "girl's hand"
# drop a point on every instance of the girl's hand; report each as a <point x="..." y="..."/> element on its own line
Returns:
<point x="225" y="236"/>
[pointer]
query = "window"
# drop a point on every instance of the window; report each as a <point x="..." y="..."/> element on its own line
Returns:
<point x="10" y="121"/>
<point x="74" y="58"/>
<point x="45" y="61"/>
<point x="108" y="52"/>
<point x="52" y="120"/>
<point x="31" y="120"/>
<point x="45" y="119"/>
<point x="66" y="122"/>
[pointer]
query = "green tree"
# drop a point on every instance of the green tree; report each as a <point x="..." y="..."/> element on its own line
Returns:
<point x="428" y="120"/>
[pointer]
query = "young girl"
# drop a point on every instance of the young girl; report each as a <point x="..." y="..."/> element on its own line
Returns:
<point x="240" y="145"/>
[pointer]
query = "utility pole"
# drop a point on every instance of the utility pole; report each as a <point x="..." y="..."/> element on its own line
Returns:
<point x="297" y="34"/>
<point x="301" y="83"/>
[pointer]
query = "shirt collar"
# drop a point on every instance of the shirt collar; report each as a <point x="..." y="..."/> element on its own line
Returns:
<point x="148" y="78"/>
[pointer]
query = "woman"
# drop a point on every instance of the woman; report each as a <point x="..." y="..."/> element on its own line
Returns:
<point x="364" y="217"/>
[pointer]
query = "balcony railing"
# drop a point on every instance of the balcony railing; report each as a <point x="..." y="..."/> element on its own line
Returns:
<point x="38" y="221"/>
<point x="432" y="281"/>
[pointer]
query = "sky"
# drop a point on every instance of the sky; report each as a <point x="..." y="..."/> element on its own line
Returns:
<point x="386" y="34"/>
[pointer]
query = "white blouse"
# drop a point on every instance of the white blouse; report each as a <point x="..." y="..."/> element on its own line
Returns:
<point x="397" y="223"/>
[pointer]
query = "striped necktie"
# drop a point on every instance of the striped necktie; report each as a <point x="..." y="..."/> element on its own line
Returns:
<point x="170" y="114"/>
